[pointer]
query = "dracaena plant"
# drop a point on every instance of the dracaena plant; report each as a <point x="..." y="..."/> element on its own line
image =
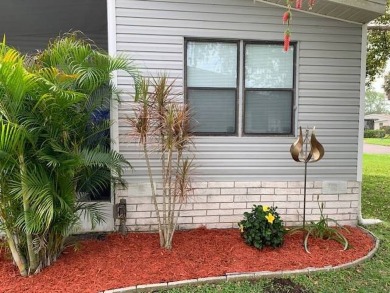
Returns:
<point x="161" y="126"/>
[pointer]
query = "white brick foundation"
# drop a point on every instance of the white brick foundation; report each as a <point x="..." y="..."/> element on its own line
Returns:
<point x="222" y="204"/>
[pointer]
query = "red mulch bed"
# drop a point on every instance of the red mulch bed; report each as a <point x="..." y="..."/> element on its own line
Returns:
<point x="137" y="258"/>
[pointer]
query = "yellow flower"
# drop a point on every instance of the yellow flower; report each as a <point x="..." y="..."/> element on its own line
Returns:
<point x="270" y="218"/>
<point x="241" y="228"/>
<point x="265" y="208"/>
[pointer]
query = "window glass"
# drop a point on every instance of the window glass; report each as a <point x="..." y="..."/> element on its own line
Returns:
<point x="268" y="66"/>
<point x="268" y="112"/>
<point x="211" y="64"/>
<point x="213" y="111"/>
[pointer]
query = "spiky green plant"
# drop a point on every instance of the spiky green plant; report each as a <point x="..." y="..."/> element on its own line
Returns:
<point x="53" y="149"/>
<point x="323" y="229"/>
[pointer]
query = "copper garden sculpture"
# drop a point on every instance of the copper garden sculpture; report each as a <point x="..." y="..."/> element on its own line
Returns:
<point x="306" y="150"/>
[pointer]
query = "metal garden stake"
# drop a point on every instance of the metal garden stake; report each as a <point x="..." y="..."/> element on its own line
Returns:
<point x="307" y="150"/>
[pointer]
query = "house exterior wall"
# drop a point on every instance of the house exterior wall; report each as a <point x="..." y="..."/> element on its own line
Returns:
<point x="378" y="120"/>
<point x="217" y="204"/>
<point x="328" y="78"/>
<point x="379" y="124"/>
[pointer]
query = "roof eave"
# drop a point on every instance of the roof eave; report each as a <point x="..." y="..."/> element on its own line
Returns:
<point x="353" y="11"/>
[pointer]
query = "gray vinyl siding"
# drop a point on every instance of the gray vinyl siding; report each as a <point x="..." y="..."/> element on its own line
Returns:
<point x="327" y="82"/>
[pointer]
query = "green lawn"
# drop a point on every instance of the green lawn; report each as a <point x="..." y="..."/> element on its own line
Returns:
<point x="378" y="141"/>
<point x="372" y="276"/>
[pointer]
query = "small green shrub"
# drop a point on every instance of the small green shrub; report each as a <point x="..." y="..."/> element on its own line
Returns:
<point x="262" y="227"/>
<point x="386" y="129"/>
<point x="374" y="133"/>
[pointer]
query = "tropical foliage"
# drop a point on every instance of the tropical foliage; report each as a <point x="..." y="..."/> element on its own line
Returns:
<point x="54" y="147"/>
<point x="161" y="127"/>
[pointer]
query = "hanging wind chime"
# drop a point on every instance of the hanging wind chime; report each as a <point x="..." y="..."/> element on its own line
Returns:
<point x="306" y="150"/>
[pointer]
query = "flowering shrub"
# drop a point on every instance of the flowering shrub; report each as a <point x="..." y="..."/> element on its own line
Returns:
<point x="262" y="227"/>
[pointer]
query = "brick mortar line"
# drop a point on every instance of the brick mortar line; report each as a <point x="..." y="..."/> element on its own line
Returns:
<point x="249" y="275"/>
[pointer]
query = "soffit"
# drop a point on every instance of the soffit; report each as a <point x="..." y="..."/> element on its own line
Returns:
<point x="357" y="11"/>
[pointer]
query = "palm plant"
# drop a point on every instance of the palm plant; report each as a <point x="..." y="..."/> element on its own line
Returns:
<point x="15" y="84"/>
<point x="53" y="148"/>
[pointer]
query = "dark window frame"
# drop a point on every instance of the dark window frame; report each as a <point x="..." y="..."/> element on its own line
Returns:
<point x="236" y="89"/>
<point x="241" y="80"/>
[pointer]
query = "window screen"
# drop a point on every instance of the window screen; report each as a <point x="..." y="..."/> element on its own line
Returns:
<point x="213" y="111"/>
<point x="268" y="112"/>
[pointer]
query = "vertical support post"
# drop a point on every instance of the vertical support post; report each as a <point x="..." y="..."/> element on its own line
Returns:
<point x="300" y="153"/>
<point x="306" y="159"/>
<point x="304" y="197"/>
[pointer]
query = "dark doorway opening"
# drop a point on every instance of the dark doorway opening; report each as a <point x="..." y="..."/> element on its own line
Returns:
<point x="29" y="25"/>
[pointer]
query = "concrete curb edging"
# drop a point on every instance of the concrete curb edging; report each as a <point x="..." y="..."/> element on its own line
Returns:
<point x="248" y="275"/>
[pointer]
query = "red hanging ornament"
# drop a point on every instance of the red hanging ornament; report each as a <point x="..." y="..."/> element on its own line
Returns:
<point x="286" y="46"/>
<point x="286" y="17"/>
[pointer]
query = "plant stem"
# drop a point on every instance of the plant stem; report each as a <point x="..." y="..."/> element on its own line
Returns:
<point x="17" y="256"/>
<point x="174" y="225"/>
<point x="164" y="179"/>
<point x="32" y="257"/>
<point x="160" y="232"/>
<point x="172" y="216"/>
<point x="169" y="174"/>
<point x="304" y="197"/>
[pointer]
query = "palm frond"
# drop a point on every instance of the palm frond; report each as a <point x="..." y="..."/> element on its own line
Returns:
<point x="38" y="187"/>
<point x="100" y="98"/>
<point x="101" y="157"/>
<point x="92" y="212"/>
<point x="93" y="181"/>
<point x="15" y="83"/>
<point x="12" y="136"/>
